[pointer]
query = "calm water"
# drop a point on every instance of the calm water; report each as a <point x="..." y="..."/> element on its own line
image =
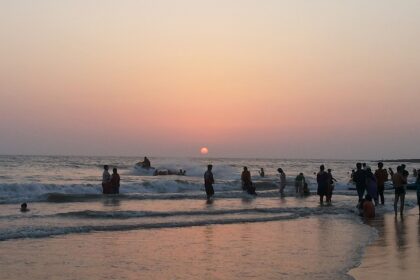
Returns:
<point x="160" y="227"/>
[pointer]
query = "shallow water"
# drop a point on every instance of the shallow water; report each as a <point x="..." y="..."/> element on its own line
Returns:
<point x="307" y="248"/>
<point x="162" y="227"/>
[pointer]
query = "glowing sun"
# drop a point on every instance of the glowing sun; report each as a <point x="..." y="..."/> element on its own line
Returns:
<point x="204" y="151"/>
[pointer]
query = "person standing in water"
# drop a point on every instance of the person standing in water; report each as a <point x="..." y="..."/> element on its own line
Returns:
<point x="282" y="180"/>
<point x="399" y="183"/>
<point x="247" y="182"/>
<point x="418" y="188"/>
<point x="262" y="173"/>
<point x="359" y="178"/>
<point x="371" y="185"/>
<point x="209" y="181"/>
<point x="115" y="181"/>
<point x="300" y="183"/>
<point x="381" y="176"/>
<point x="330" y="187"/>
<point x="322" y="179"/>
<point x="106" y="180"/>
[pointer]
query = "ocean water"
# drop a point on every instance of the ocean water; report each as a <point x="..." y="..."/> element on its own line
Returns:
<point x="172" y="226"/>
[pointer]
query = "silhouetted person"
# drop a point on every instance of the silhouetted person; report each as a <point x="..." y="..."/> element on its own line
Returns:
<point x="247" y="182"/>
<point x="381" y="176"/>
<point x="371" y="185"/>
<point x="364" y="166"/>
<point x="115" y="181"/>
<point x="399" y="181"/>
<point x="300" y="183"/>
<point x="145" y="163"/>
<point x="330" y="186"/>
<point x="391" y="173"/>
<point x="106" y="181"/>
<point x="282" y="180"/>
<point x="322" y="179"/>
<point x="262" y="173"/>
<point x="418" y="189"/>
<point x="359" y="178"/>
<point x="209" y="181"/>
<point x="24" y="207"/>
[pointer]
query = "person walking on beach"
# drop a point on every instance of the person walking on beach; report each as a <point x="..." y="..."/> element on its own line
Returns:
<point x="381" y="176"/>
<point x="106" y="180"/>
<point x="115" y="181"/>
<point x="322" y="179"/>
<point x="209" y="181"/>
<point x="359" y="178"/>
<point x="399" y="183"/>
<point x="282" y="180"/>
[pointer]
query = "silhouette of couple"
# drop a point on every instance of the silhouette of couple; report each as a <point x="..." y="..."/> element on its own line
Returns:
<point x="110" y="184"/>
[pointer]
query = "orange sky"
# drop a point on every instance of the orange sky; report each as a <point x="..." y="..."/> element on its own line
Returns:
<point x="329" y="79"/>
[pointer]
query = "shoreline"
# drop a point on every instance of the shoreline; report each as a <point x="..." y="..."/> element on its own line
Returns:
<point x="396" y="251"/>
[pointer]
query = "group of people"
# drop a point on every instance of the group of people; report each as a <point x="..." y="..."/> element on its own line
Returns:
<point x="374" y="184"/>
<point x="369" y="186"/>
<point x="247" y="185"/>
<point x="325" y="182"/>
<point x="110" y="183"/>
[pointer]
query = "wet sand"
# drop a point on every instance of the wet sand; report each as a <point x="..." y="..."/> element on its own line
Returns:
<point x="396" y="252"/>
<point x="305" y="248"/>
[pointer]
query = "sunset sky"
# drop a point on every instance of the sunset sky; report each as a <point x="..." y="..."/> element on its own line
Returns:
<point x="261" y="78"/>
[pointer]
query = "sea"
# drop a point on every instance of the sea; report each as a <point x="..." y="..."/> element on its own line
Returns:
<point x="162" y="227"/>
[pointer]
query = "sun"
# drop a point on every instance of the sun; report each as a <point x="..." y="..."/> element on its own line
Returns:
<point x="204" y="151"/>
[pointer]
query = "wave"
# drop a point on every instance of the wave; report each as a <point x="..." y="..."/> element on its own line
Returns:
<point x="144" y="189"/>
<point x="299" y="211"/>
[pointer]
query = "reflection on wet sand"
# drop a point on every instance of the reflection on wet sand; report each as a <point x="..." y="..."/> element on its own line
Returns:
<point x="396" y="253"/>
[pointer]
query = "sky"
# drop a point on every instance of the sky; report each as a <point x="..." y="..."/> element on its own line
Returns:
<point x="245" y="78"/>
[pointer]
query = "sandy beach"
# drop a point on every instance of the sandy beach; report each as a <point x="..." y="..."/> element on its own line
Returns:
<point x="396" y="252"/>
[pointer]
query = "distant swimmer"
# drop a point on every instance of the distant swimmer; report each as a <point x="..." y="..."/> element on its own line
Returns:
<point x="115" y="181"/>
<point x="145" y="163"/>
<point x="262" y="173"/>
<point x="282" y="180"/>
<point x="209" y="181"/>
<point x="106" y="181"/>
<point x="322" y="179"/>
<point x="24" y="207"/>
<point x="247" y="182"/>
<point x="381" y="176"/>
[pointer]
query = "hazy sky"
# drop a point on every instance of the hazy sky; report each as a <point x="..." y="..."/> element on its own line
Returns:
<point x="261" y="78"/>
